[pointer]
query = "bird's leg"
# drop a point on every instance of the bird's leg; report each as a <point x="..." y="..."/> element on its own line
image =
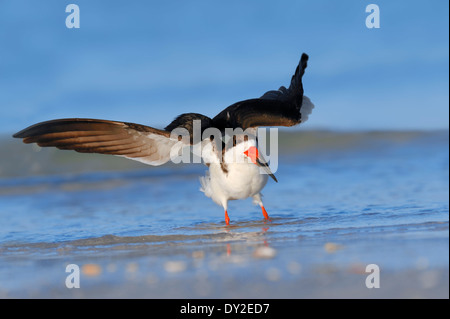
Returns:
<point x="227" y="219"/>
<point x="266" y="216"/>
<point x="258" y="201"/>
<point x="225" y="208"/>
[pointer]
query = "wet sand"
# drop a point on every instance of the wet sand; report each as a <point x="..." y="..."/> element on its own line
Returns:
<point x="381" y="201"/>
<point x="235" y="264"/>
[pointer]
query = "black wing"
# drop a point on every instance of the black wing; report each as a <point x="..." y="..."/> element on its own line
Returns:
<point x="134" y="141"/>
<point x="283" y="107"/>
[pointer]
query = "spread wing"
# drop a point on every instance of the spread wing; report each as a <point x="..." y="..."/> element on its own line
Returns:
<point x="134" y="141"/>
<point x="283" y="107"/>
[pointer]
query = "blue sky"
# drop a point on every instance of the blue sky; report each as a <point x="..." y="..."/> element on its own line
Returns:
<point x="147" y="61"/>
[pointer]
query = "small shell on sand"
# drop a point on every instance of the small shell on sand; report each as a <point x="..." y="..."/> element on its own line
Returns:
<point x="175" y="266"/>
<point x="264" y="252"/>
<point x="132" y="268"/>
<point x="332" y="247"/>
<point x="198" y="254"/>
<point x="357" y="268"/>
<point x="91" y="270"/>
<point x="273" y="274"/>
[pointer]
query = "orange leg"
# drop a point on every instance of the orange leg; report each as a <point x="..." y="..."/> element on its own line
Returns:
<point x="227" y="219"/>
<point x="266" y="216"/>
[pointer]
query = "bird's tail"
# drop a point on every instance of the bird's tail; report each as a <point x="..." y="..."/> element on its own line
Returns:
<point x="295" y="91"/>
<point x="306" y="108"/>
<point x="296" y="87"/>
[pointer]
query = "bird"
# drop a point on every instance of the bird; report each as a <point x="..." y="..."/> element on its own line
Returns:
<point x="236" y="168"/>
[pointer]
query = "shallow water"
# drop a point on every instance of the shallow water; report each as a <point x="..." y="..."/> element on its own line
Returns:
<point x="343" y="201"/>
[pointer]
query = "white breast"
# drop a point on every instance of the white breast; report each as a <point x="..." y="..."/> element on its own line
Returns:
<point x="237" y="178"/>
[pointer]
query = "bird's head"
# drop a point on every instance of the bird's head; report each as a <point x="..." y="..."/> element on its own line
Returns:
<point x="253" y="154"/>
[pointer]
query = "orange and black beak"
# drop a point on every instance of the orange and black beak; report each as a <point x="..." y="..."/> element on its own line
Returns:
<point x="253" y="154"/>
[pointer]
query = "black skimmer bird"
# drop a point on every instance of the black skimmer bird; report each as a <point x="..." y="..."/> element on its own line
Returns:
<point x="236" y="168"/>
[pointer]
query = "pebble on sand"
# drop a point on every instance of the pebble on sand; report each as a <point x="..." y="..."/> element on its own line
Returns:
<point x="273" y="274"/>
<point x="198" y="254"/>
<point x="332" y="247"/>
<point x="175" y="266"/>
<point x="132" y="268"/>
<point x="264" y="252"/>
<point x="91" y="270"/>
<point x="357" y="268"/>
